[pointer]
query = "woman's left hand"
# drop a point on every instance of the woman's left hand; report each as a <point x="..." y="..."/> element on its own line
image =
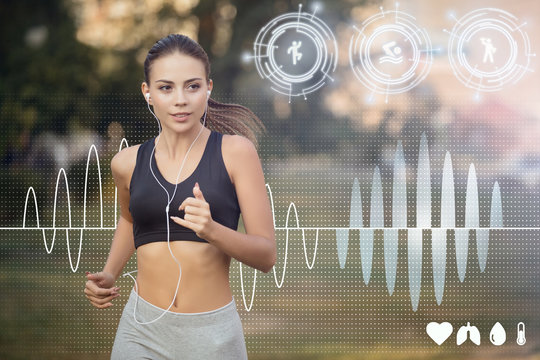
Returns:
<point x="197" y="215"/>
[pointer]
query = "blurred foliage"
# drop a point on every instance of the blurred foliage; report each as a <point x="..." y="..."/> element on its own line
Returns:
<point x="30" y="75"/>
<point x="49" y="80"/>
<point x="35" y="74"/>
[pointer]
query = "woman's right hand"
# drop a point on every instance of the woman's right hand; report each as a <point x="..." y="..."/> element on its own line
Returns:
<point x="99" y="289"/>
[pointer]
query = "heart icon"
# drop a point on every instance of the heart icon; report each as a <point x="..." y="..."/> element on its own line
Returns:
<point x="439" y="332"/>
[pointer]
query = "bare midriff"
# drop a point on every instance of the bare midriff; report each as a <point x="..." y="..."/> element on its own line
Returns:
<point x="204" y="284"/>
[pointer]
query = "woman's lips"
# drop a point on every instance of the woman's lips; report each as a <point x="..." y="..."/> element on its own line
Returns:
<point x="182" y="117"/>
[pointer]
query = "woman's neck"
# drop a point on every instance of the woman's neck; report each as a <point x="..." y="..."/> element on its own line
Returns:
<point x="175" y="145"/>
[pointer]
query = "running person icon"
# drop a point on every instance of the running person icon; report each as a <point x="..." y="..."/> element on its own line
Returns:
<point x="293" y="49"/>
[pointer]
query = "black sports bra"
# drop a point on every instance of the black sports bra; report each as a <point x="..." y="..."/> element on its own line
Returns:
<point x="148" y="199"/>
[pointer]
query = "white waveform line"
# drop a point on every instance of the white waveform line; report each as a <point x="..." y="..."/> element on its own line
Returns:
<point x="123" y="141"/>
<point x="296" y="228"/>
<point x="84" y="227"/>
<point x="70" y="227"/>
<point x="279" y="284"/>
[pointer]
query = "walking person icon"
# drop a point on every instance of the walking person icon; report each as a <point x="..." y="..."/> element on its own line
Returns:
<point x="489" y="49"/>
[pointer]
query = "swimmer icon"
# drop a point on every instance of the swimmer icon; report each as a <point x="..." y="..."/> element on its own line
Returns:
<point x="521" y="334"/>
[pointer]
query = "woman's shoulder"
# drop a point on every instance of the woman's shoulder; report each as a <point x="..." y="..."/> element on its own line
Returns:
<point x="234" y="149"/>
<point x="236" y="145"/>
<point x="236" y="142"/>
<point x="123" y="163"/>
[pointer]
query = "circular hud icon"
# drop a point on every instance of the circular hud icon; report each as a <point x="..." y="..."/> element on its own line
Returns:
<point x="488" y="49"/>
<point x="296" y="52"/>
<point x="390" y="54"/>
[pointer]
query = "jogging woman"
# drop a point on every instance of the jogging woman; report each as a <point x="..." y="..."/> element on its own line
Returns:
<point x="181" y="194"/>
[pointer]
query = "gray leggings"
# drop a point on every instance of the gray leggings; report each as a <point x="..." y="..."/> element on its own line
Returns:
<point x="214" y="334"/>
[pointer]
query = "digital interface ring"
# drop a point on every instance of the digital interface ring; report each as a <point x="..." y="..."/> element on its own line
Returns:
<point x="402" y="52"/>
<point x="488" y="49"/>
<point x="297" y="52"/>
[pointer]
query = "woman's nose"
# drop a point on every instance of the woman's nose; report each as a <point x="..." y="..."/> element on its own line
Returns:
<point x="180" y="98"/>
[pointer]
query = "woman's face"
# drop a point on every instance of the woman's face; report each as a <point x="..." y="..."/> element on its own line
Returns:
<point x="178" y="85"/>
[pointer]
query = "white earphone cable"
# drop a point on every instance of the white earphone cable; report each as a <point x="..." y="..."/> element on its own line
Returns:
<point x="169" y="200"/>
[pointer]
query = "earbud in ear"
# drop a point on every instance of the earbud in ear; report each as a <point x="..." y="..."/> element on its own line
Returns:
<point x="147" y="96"/>
<point x="208" y="93"/>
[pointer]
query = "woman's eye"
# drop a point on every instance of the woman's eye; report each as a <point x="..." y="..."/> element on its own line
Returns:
<point x="165" y="87"/>
<point x="194" y="86"/>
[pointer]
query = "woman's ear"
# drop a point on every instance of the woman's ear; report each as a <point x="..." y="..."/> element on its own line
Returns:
<point x="145" y="90"/>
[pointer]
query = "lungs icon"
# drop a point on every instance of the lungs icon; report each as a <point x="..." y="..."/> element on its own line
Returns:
<point x="468" y="331"/>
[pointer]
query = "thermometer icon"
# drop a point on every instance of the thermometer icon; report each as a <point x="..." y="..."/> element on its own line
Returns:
<point x="521" y="334"/>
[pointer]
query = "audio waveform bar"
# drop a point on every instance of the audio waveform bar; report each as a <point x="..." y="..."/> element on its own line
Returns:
<point x="439" y="237"/>
<point x="399" y="222"/>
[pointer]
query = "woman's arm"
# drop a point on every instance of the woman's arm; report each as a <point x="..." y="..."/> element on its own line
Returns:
<point x="123" y="246"/>
<point x="256" y="248"/>
<point x="99" y="286"/>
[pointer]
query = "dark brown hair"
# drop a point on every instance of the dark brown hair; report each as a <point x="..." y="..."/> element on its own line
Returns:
<point x="221" y="117"/>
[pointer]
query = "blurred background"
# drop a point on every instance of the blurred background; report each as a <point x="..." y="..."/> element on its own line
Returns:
<point x="70" y="77"/>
